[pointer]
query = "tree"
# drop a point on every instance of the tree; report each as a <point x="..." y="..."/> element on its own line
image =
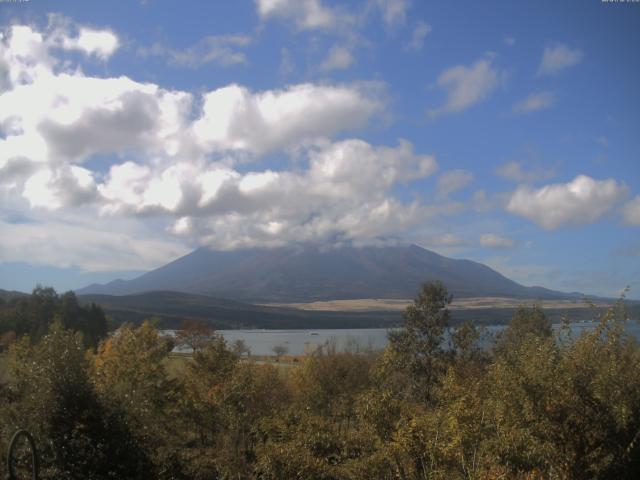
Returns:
<point x="419" y="347"/>
<point x="194" y="334"/>
<point x="279" y="350"/>
<point x="240" y="347"/>
<point x="129" y="375"/>
<point x="33" y="314"/>
<point x="526" y="321"/>
<point x="52" y="396"/>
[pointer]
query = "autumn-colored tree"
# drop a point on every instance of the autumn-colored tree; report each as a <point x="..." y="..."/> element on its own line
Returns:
<point x="569" y="410"/>
<point x="51" y="395"/>
<point x="194" y="334"/>
<point x="129" y="374"/>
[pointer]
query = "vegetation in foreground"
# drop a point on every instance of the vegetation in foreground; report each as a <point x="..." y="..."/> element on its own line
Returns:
<point x="536" y="405"/>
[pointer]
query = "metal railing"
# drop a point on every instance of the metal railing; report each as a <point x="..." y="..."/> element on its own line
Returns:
<point x="20" y="460"/>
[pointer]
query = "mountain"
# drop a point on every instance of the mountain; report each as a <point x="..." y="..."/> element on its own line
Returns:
<point x="8" y="295"/>
<point x="310" y="273"/>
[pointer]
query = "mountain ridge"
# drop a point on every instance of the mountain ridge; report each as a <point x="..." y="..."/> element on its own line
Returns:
<point x="311" y="273"/>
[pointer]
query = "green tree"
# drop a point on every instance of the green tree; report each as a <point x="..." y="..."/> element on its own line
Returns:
<point x="419" y="347"/>
<point x="51" y="395"/>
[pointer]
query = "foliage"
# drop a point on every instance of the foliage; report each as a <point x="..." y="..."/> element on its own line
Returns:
<point x="419" y="347"/>
<point x="279" y="351"/>
<point x="33" y="314"/>
<point x="50" y="394"/>
<point x="194" y="334"/>
<point x="433" y="405"/>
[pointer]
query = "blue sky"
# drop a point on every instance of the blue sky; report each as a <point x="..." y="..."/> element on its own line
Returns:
<point x="503" y="132"/>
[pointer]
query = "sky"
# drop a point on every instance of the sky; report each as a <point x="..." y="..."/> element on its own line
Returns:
<point x="504" y="132"/>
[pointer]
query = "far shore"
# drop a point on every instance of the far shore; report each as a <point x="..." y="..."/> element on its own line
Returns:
<point x="396" y="304"/>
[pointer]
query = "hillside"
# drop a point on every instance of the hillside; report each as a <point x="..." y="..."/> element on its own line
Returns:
<point x="311" y="273"/>
<point x="171" y="308"/>
<point x="7" y="295"/>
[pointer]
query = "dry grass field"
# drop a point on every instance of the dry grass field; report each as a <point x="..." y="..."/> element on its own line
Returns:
<point x="393" y="304"/>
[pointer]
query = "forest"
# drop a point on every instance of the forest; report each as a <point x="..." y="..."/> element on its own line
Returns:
<point x="541" y="403"/>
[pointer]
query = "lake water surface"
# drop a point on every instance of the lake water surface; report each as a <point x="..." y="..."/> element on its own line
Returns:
<point x="298" y="342"/>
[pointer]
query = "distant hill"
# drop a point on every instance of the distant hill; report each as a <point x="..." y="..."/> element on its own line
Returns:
<point x="7" y="295"/>
<point x="310" y="273"/>
<point x="171" y="308"/>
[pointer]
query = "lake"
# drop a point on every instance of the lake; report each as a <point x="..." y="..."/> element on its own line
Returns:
<point x="299" y="342"/>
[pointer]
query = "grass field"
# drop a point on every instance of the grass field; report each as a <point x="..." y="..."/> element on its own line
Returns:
<point x="387" y="304"/>
<point x="176" y="363"/>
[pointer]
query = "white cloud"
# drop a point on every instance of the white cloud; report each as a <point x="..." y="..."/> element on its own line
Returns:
<point x="583" y="200"/>
<point x="181" y="162"/>
<point x="223" y="50"/>
<point x="101" y="43"/>
<point x="491" y="240"/>
<point x="305" y="14"/>
<point x="235" y="118"/>
<point x="394" y="12"/>
<point x="345" y="193"/>
<point x="556" y="58"/>
<point x="534" y="101"/>
<point x="631" y="212"/>
<point x="117" y="246"/>
<point x="339" y="58"/>
<point x="420" y="32"/>
<point x="53" y="116"/>
<point x="452" y="181"/>
<point x="467" y="85"/>
<point x="67" y="185"/>
<point x="517" y="172"/>
<point x="509" y="40"/>
<point x="63" y="33"/>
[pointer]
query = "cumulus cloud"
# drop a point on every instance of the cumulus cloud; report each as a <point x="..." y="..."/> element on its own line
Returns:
<point x="533" y="102"/>
<point x="51" y="114"/>
<point x="305" y="14"/>
<point x="420" y="32"/>
<point x="62" y="32"/>
<point x="339" y="58"/>
<point x="67" y="185"/>
<point x="491" y="240"/>
<point x="518" y="172"/>
<point x="223" y="50"/>
<point x="556" y="58"/>
<point x="117" y="246"/>
<point x="344" y="193"/>
<point x="182" y="160"/>
<point x="631" y="212"/>
<point x="101" y="43"/>
<point x="452" y="181"/>
<point x="61" y="115"/>
<point x="580" y="201"/>
<point x="467" y="85"/>
<point x="234" y="118"/>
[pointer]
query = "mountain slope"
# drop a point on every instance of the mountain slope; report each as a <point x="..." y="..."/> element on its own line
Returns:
<point x="171" y="308"/>
<point x="303" y="274"/>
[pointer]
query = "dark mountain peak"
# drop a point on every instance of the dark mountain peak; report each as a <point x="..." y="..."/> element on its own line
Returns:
<point x="310" y="271"/>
